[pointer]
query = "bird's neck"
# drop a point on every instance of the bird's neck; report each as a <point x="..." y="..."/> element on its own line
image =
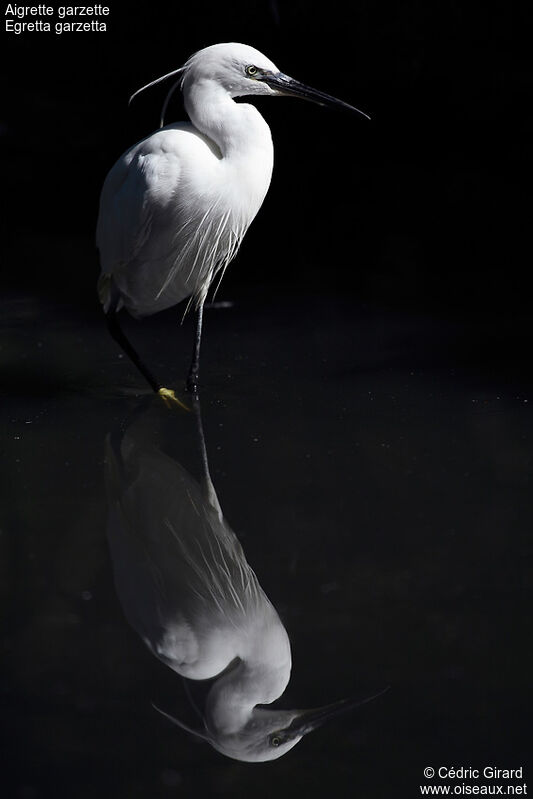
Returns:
<point x="236" y="128"/>
<point x="253" y="681"/>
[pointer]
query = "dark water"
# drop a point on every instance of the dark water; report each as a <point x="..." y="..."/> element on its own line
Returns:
<point x="376" y="468"/>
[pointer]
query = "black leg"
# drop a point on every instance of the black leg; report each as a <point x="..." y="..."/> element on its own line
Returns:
<point x="209" y="488"/>
<point x="121" y="339"/>
<point x="192" y="379"/>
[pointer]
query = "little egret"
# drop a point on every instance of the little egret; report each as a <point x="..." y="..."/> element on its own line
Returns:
<point x="188" y="591"/>
<point x="175" y="206"/>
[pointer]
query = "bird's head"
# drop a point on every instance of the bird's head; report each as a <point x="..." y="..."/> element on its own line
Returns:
<point x="264" y="737"/>
<point x="241" y="71"/>
<point x="237" y="68"/>
<point x="270" y="734"/>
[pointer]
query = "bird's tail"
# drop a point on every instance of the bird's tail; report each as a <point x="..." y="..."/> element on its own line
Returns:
<point x="108" y="294"/>
<point x="104" y="290"/>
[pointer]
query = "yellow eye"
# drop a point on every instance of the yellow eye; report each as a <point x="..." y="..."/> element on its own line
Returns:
<point x="251" y="70"/>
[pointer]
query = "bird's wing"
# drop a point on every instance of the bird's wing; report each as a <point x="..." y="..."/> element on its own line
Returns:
<point x="136" y="204"/>
<point x="165" y="227"/>
<point x="140" y="228"/>
<point x="187" y="556"/>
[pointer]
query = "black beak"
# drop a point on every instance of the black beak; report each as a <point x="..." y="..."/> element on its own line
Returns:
<point x="309" y="720"/>
<point x="293" y="88"/>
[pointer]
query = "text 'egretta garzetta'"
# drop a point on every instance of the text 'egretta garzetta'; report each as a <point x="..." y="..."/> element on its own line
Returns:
<point x="175" y="206"/>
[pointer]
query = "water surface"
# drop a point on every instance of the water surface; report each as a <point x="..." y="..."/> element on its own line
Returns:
<point x="376" y="469"/>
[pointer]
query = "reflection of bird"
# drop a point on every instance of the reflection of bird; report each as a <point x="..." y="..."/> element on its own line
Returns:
<point x="175" y="206"/>
<point x="187" y="589"/>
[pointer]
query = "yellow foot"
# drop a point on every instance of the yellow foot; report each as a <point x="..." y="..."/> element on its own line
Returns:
<point x="169" y="398"/>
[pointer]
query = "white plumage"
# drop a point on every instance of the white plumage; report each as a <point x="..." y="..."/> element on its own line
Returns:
<point x="187" y="589"/>
<point x="176" y="205"/>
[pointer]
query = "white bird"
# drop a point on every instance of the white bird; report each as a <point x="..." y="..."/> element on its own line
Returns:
<point x="175" y="206"/>
<point x="187" y="589"/>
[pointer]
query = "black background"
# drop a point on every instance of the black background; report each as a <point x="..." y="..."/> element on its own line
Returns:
<point x="424" y="207"/>
<point x="368" y="417"/>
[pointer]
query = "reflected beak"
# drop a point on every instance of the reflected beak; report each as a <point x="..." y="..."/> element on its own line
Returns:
<point x="310" y="720"/>
<point x="293" y="88"/>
